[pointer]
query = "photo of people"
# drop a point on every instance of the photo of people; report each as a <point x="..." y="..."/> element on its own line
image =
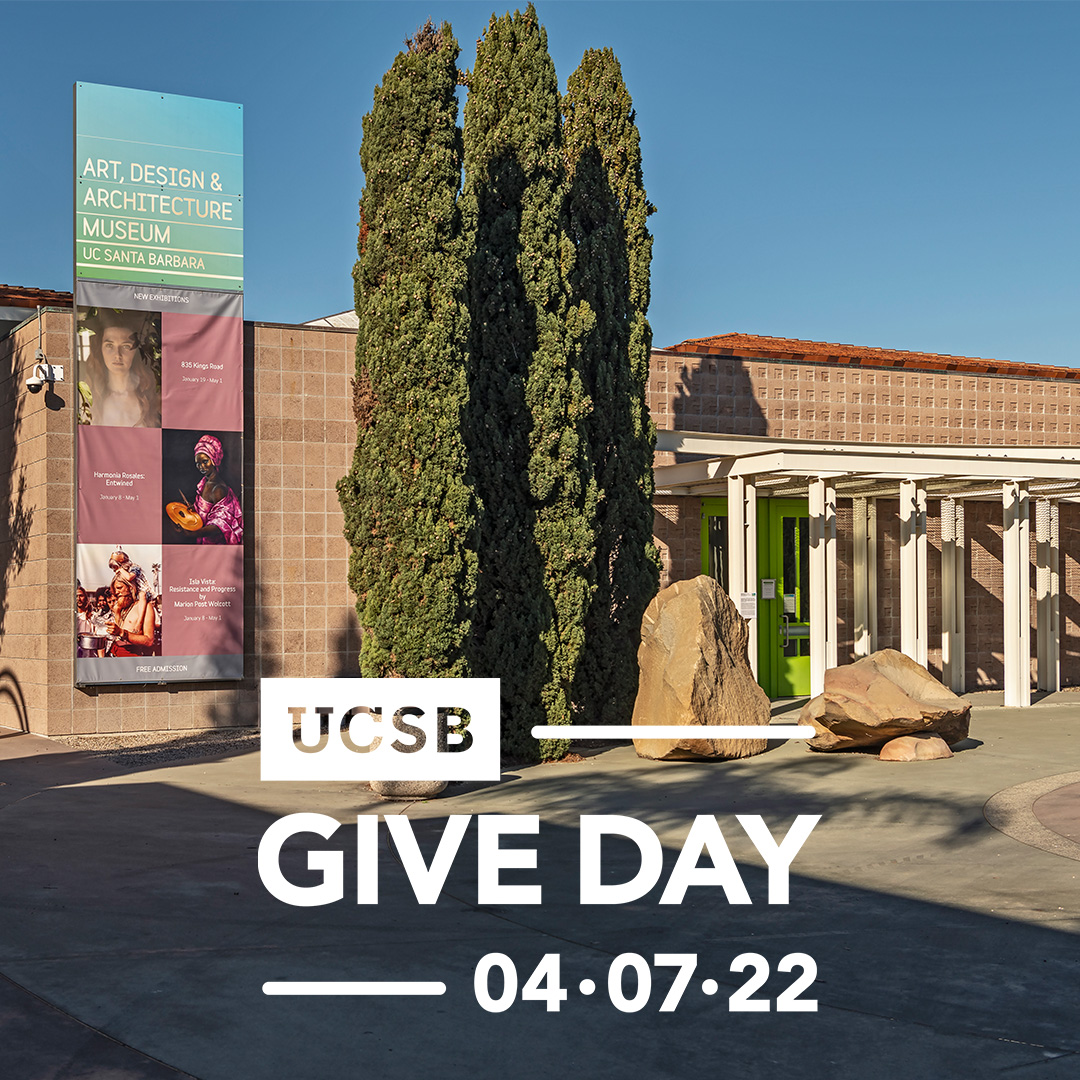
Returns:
<point x="215" y="514"/>
<point x="118" y="600"/>
<point x="85" y="610"/>
<point x="119" y="367"/>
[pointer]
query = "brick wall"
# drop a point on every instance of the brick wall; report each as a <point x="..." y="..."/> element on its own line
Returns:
<point x="37" y="493"/>
<point x="299" y="615"/>
<point x="815" y="400"/>
<point x="304" y="441"/>
<point x="677" y="533"/>
<point x="299" y="437"/>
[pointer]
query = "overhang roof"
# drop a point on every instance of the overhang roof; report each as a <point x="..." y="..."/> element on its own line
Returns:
<point x="785" y="467"/>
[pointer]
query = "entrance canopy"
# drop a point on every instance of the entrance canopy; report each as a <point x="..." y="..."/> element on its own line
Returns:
<point x="744" y="467"/>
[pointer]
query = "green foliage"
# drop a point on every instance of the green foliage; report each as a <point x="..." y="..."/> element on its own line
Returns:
<point x="498" y="506"/>
<point x="409" y="510"/>
<point x="528" y="406"/>
<point x="607" y="211"/>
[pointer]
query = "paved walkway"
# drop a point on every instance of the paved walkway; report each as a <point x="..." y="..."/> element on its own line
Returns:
<point x="1059" y="811"/>
<point x="136" y="934"/>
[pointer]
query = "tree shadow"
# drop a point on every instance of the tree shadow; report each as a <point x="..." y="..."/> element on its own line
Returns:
<point x="238" y="706"/>
<point x="14" y="505"/>
<point x="512" y="609"/>
<point x="12" y="691"/>
<point x="715" y="393"/>
<point x="154" y="889"/>
<point x="606" y="680"/>
<point x="786" y="780"/>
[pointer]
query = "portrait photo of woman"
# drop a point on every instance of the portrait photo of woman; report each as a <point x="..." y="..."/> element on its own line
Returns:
<point x="215" y="515"/>
<point x="119" y="368"/>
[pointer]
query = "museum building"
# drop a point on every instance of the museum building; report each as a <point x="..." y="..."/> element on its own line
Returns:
<point x="849" y="499"/>
<point x="874" y="499"/>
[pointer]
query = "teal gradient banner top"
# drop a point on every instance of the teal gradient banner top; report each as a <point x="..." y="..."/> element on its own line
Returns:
<point x="159" y="182"/>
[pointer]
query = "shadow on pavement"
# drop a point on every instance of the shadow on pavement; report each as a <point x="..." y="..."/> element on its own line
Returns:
<point x="137" y="907"/>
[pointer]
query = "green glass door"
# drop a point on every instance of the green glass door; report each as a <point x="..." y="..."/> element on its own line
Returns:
<point x="783" y="587"/>
<point x="787" y="638"/>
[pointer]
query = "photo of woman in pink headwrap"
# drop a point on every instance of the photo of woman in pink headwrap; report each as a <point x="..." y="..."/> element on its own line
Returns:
<point x="215" y="502"/>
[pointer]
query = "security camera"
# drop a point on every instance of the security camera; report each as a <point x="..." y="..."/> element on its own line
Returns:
<point x="43" y="373"/>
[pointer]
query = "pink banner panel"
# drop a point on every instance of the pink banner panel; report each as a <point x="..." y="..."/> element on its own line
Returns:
<point x="202" y="373"/>
<point x="119" y="485"/>
<point x="202" y="600"/>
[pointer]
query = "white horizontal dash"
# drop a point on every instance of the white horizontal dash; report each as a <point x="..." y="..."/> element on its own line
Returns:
<point x="356" y="989"/>
<point x="674" y="731"/>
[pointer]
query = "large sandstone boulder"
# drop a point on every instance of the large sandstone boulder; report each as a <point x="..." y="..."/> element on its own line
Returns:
<point x="694" y="671"/>
<point x="880" y="697"/>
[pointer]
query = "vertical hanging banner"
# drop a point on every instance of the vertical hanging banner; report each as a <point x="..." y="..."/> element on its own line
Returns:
<point x="159" y="365"/>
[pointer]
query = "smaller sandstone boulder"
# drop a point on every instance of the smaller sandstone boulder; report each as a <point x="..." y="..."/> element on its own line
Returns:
<point x="915" y="748"/>
<point x="881" y="697"/>
<point x="694" y="671"/>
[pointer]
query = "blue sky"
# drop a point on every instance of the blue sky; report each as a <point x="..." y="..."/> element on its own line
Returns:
<point x="898" y="175"/>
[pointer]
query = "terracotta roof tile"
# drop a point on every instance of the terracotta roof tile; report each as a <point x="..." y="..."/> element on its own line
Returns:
<point x="753" y="346"/>
<point x="21" y="296"/>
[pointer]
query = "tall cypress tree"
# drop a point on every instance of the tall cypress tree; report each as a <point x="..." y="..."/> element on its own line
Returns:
<point x="527" y="402"/>
<point x="607" y="211"/>
<point x="409" y="511"/>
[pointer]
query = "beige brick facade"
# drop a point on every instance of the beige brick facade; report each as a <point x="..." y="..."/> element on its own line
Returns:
<point x="299" y="436"/>
<point x="790" y="399"/>
<point x="816" y="399"/>
<point x="299" y="614"/>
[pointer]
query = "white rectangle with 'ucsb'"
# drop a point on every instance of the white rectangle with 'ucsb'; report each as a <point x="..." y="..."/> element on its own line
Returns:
<point x="380" y="729"/>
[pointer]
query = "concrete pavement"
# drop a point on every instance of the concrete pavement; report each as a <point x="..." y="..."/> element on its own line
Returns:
<point x="136" y="932"/>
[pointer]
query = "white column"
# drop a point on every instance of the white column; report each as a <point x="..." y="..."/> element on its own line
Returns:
<point x="860" y="572"/>
<point x="1055" y="596"/>
<point x="818" y="613"/>
<point x="823" y="653"/>
<point x="923" y="644"/>
<point x="950" y="612"/>
<point x="960" y="667"/>
<point x="871" y="571"/>
<point x="1016" y="562"/>
<point x="913" y="600"/>
<point x="909" y="612"/>
<point x="1042" y="588"/>
<point x="736" y="531"/>
<point x="750" y="517"/>
<point x="831" y="658"/>
<point x="1046" y="582"/>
